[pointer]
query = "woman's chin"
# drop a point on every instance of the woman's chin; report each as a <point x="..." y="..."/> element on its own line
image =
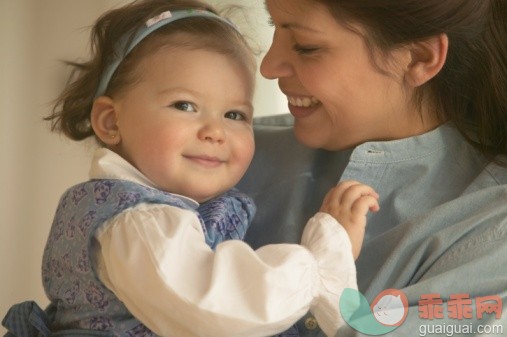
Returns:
<point x="307" y="137"/>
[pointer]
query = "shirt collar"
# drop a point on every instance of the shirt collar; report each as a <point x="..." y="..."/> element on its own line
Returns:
<point x="107" y="164"/>
<point x="444" y="136"/>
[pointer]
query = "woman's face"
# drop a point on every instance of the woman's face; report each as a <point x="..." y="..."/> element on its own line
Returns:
<point x="338" y="97"/>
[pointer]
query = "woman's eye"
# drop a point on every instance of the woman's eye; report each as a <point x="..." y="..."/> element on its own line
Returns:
<point x="304" y="50"/>
<point x="184" y="106"/>
<point x="235" y="115"/>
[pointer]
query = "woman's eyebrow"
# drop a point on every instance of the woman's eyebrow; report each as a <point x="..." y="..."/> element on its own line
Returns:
<point x="289" y="25"/>
<point x="298" y="26"/>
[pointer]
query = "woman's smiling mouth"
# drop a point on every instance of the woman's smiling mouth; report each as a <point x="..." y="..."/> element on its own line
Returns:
<point x="305" y="102"/>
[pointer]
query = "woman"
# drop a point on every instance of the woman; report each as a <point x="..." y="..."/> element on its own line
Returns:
<point x="409" y="97"/>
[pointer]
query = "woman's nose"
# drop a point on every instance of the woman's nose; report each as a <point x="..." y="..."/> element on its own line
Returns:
<point x="276" y="62"/>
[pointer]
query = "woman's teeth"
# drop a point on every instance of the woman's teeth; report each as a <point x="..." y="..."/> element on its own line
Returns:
<point x="303" y="101"/>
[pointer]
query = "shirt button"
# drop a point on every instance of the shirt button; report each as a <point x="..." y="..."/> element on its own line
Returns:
<point x="311" y="323"/>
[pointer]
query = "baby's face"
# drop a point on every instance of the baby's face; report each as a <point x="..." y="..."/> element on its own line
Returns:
<point x="187" y="124"/>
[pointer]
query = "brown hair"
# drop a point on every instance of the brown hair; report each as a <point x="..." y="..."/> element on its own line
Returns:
<point x="471" y="89"/>
<point x="71" y="112"/>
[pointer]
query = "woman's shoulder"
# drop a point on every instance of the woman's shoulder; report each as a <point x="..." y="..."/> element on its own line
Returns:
<point x="497" y="170"/>
<point x="492" y="180"/>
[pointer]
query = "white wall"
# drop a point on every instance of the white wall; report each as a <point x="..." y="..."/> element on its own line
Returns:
<point x="253" y="22"/>
<point x="36" y="166"/>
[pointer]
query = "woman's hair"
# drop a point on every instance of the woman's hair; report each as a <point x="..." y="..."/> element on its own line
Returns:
<point x="471" y="89"/>
<point x="71" y="112"/>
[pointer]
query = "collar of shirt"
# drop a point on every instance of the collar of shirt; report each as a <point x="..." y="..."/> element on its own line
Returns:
<point x="107" y="164"/>
<point x="410" y="148"/>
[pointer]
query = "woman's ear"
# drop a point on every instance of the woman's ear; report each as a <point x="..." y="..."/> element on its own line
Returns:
<point x="427" y="59"/>
<point x="104" y="121"/>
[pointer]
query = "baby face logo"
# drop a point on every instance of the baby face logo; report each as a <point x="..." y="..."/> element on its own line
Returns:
<point x="390" y="307"/>
<point x="387" y="311"/>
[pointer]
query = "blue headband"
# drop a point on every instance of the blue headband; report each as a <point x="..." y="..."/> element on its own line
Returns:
<point x="152" y="24"/>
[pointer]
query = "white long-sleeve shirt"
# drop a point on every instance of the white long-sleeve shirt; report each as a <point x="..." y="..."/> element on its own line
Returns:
<point x="155" y="259"/>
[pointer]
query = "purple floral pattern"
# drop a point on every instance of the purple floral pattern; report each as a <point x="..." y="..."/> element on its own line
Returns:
<point x="68" y="276"/>
<point x="101" y="191"/>
<point x="78" y="194"/>
<point x="100" y="323"/>
<point x="96" y="296"/>
<point x="85" y="222"/>
<point x="140" y="331"/>
<point x="226" y="217"/>
<point x="70" y="295"/>
<point x="128" y="199"/>
<point x="83" y="263"/>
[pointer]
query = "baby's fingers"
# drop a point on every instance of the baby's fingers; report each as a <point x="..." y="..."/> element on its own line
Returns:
<point x="347" y="189"/>
<point x="334" y="196"/>
<point x="357" y="192"/>
<point x="365" y="203"/>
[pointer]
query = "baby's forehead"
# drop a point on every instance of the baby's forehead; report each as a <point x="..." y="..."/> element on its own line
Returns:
<point x="232" y="46"/>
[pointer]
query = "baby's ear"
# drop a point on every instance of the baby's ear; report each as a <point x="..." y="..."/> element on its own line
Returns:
<point x="104" y="120"/>
<point x="427" y="59"/>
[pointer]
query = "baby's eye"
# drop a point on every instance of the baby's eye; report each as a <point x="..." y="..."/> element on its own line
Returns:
<point x="184" y="106"/>
<point x="235" y="115"/>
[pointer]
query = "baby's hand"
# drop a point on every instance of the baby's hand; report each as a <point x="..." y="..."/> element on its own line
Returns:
<point x="349" y="202"/>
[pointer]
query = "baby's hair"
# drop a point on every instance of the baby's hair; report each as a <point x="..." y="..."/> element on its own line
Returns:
<point x="71" y="112"/>
<point x="471" y="89"/>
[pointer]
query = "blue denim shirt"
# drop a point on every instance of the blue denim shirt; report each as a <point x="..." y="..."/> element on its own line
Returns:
<point x="441" y="228"/>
